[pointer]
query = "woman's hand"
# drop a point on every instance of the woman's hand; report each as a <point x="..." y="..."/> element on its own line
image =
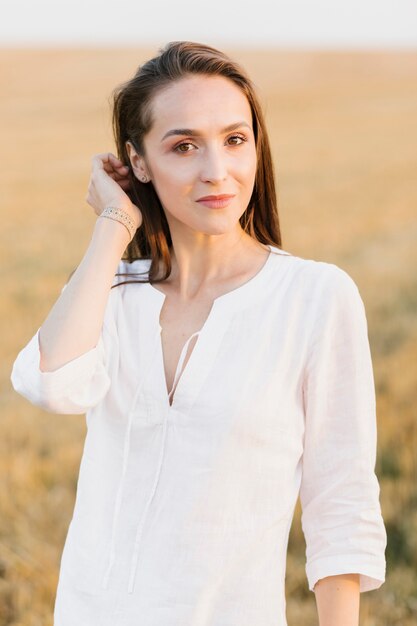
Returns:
<point x="108" y="182"/>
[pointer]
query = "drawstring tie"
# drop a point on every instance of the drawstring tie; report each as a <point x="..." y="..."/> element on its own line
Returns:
<point x="126" y="451"/>
<point x="158" y="472"/>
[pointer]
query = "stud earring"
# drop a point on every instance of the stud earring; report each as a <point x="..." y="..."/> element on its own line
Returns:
<point x="144" y="179"/>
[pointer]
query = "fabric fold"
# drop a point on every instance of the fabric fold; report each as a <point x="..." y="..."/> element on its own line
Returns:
<point x="339" y="494"/>
<point x="72" y="388"/>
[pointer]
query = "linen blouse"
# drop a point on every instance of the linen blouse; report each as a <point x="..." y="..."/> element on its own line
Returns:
<point x="183" y="512"/>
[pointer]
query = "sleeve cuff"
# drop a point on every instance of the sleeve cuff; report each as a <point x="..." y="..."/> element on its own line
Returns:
<point x="72" y="388"/>
<point x="372" y="572"/>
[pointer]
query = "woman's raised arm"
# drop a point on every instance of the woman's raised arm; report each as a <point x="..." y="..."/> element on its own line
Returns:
<point x="74" y="323"/>
<point x="66" y="367"/>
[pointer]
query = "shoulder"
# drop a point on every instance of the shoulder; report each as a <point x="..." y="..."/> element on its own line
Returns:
<point x="316" y="282"/>
<point x="320" y="272"/>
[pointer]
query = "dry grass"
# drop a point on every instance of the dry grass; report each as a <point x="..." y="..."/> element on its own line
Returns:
<point x="344" y="135"/>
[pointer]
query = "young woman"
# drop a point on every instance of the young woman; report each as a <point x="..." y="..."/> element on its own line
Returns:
<point x="222" y="377"/>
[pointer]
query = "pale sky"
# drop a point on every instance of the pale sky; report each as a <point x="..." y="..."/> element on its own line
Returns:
<point x="280" y="23"/>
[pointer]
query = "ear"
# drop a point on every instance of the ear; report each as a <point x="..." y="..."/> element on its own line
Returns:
<point x="137" y="162"/>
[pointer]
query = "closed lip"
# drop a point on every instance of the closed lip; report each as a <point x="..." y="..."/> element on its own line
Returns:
<point x="223" y="196"/>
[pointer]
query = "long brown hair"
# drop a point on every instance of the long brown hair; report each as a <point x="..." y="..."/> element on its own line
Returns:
<point x="132" y="120"/>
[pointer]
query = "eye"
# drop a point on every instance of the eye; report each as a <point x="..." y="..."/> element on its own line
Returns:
<point x="241" y="137"/>
<point x="180" y="145"/>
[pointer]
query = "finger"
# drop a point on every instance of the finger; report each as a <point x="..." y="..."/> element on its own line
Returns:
<point x="117" y="177"/>
<point x="123" y="180"/>
<point x="117" y="163"/>
<point x="114" y="159"/>
<point x="106" y="160"/>
<point x="121" y="170"/>
<point x="100" y="161"/>
<point x="124" y="184"/>
<point x="112" y="170"/>
<point x="117" y="174"/>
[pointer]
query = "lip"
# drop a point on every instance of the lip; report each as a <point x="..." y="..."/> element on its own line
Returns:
<point x="219" y="197"/>
<point x="216" y="202"/>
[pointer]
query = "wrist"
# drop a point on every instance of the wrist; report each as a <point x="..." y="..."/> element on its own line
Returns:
<point x="118" y="214"/>
<point x="111" y="230"/>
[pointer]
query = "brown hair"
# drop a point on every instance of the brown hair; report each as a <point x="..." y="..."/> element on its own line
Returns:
<point x="132" y="120"/>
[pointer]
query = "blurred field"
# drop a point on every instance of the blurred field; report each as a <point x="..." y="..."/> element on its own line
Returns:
<point x="343" y="127"/>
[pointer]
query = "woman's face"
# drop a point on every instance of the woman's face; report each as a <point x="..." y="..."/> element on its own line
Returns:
<point x="201" y="144"/>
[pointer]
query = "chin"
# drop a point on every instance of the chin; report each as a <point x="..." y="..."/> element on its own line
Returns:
<point x="218" y="227"/>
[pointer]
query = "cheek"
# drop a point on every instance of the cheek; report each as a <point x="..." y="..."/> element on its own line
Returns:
<point x="246" y="165"/>
<point x="172" y="176"/>
<point x="247" y="173"/>
<point x="171" y="184"/>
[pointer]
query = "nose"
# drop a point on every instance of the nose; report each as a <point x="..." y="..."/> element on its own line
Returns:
<point x="213" y="165"/>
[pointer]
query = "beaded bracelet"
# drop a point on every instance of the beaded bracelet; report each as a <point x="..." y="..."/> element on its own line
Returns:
<point x="121" y="216"/>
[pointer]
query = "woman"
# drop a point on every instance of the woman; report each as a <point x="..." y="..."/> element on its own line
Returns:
<point x="222" y="377"/>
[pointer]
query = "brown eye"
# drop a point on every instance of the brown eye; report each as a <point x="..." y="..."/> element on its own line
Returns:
<point x="241" y="137"/>
<point x="180" y="145"/>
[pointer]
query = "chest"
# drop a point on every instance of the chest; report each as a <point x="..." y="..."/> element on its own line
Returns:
<point x="178" y="323"/>
<point x="246" y="361"/>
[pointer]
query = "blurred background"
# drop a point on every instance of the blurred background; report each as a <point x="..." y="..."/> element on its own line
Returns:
<point x="338" y="82"/>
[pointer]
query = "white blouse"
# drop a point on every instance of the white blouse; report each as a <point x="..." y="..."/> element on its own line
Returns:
<point x="183" y="511"/>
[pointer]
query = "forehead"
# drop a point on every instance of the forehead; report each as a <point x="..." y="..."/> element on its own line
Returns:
<point x="200" y="102"/>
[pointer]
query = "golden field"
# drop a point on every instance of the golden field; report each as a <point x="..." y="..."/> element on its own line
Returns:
<point x="344" y="136"/>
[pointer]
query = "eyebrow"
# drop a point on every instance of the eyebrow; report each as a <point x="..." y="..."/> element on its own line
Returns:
<point x="196" y="133"/>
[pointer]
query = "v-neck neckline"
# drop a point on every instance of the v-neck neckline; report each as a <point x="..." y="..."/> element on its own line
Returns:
<point x="180" y="366"/>
<point x="209" y="336"/>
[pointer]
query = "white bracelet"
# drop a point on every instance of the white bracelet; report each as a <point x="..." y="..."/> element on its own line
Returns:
<point x="114" y="213"/>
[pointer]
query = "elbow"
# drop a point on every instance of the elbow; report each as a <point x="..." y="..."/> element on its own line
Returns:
<point x="75" y="398"/>
<point x="71" y="389"/>
<point x="62" y="391"/>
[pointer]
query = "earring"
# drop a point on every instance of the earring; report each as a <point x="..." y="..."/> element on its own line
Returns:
<point x="144" y="179"/>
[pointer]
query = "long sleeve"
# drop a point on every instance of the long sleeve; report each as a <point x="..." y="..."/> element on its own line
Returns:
<point x="74" y="387"/>
<point x="341" y="514"/>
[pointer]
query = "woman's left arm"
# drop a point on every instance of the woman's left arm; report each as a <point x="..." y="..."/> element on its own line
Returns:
<point x="339" y="493"/>
<point x="337" y="599"/>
